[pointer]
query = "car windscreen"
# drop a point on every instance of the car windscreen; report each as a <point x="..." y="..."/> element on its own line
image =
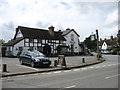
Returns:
<point x="37" y="54"/>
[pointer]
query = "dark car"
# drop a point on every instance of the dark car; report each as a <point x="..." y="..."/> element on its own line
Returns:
<point x="34" y="58"/>
<point x="113" y="52"/>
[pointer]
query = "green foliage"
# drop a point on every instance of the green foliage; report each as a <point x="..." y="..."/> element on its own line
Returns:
<point x="91" y="44"/>
<point x="117" y="48"/>
<point x="1" y="42"/>
<point x="119" y="41"/>
<point x="99" y="55"/>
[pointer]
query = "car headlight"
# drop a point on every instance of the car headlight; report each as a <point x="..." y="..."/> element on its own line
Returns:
<point x="37" y="60"/>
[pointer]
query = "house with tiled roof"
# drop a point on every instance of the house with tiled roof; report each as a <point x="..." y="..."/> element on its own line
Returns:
<point x="48" y="41"/>
<point x="108" y="43"/>
<point x="72" y="40"/>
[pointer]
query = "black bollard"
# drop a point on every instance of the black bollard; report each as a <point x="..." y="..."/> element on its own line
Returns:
<point x="83" y="60"/>
<point x="4" y="68"/>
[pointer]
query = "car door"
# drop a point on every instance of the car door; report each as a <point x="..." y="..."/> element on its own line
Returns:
<point x="24" y="57"/>
<point x="28" y="58"/>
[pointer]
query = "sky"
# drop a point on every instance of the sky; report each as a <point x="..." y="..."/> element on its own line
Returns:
<point x="84" y="16"/>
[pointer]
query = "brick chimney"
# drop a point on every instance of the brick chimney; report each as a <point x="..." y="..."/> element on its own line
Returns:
<point x="112" y="38"/>
<point x="51" y="30"/>
<point x="68" y="29"/>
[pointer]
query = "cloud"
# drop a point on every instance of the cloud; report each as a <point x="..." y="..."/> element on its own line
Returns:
<point x="84" y="17"/>
<point x="95" y="7"/>
<point x="112" y="17"/>
<point x="7" y="31"/>
<point x="42" y="25"/>
<point x="112" y="32"/>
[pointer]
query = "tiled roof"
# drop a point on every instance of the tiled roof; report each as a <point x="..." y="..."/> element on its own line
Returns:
<point x="13" y="42"/>
<point x="109" y="42"/>
<point x="65" y="32"/>
<point x="39" y="33"/>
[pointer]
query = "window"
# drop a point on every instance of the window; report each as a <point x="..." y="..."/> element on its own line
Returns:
<point x="31" y="40"/>
<point x="35" y="40"/>
<point x="39" y="40"/>
<point x="27" y="40"/>
<point x="20" y="48"/>
<point x="72" y="37"/>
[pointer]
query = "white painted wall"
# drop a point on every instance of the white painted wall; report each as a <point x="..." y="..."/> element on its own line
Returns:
<point x="76" y="44"/>
<point x="19" y="34"/>
<point x="16" y="47"/>
<point x="9" y="51"/>
<point x="104" y="46"/>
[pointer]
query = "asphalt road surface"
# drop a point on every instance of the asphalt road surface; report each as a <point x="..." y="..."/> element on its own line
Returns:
<point x="103" y="75"/>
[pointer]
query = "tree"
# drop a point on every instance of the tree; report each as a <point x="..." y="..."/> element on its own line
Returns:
<point x="1" y="42"/>
<point x="119" y="41"/>
<point x="91" y="43"/>
<point x="118" y="36"/>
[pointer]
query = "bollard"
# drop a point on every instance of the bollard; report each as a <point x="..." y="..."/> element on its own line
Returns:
<point x="83" y="60"/>
<point x="55" y="63"/>
<point x="4" y="68"/>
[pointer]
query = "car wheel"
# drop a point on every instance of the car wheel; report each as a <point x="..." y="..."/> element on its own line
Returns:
<point x="32" y="64"/>
<point x="21" y="62"/>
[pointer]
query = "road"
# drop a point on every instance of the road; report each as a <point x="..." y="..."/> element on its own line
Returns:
<point x="103" y="75"/>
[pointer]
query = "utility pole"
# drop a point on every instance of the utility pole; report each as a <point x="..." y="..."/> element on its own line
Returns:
<point x="97" y="40"/>
<point x="97" y="44"/>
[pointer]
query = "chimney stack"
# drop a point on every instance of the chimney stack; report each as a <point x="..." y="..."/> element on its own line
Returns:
<point x="51" y="30"/>
<point x="112" y="38"/>
<point x="68" y="29"/>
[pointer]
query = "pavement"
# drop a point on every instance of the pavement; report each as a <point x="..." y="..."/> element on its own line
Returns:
<point x="14" y="68"/>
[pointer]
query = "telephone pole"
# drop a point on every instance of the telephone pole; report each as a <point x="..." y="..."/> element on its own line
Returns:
<point x="97" y="40"/>
<point x="97" y="43"/>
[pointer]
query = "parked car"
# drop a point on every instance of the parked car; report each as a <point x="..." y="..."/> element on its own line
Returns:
<point x="105" y="52"/>
<point x="114" y="52"/>
<point x="34" y="58"/>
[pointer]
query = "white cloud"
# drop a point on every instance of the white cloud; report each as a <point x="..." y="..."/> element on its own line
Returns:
<point x="112" y="17"/>
<point x="7" y="30"/>
<point x="112" y="32"/>
<point x="83" y="17"/>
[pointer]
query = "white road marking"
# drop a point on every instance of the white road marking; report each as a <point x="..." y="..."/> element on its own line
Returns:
<point x="90" y="67"/>
<point x="83" y="68"/>
<point x="71" y="86"/>
<point x="57" y="72"/>
<point x="109" y="65"/>
<point x="43" y="73"/>
<point x="47" y="73"/>
<point x="98" y="67"/>
<point x="76" y="69"/>
<point x="67" y="70"/>
<point x="111" y="76"/>
<point x="28" y="67"/>
<point x="8" y="77"/>
<point x="104" y="66"/>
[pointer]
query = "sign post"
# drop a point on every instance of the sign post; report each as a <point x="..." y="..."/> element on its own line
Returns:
<point x="61" y="60"/>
